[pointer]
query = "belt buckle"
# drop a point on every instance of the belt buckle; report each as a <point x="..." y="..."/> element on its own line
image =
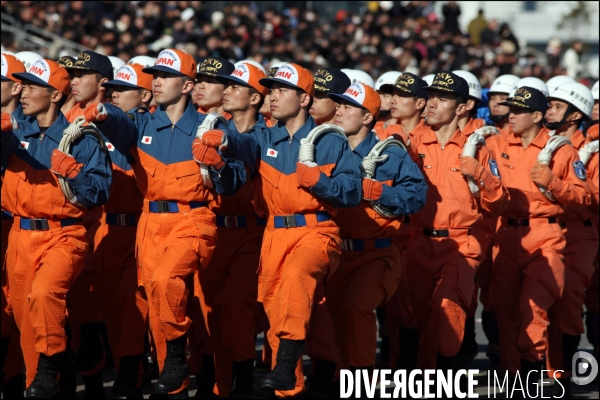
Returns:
<point x="290" y="221"/>
<point x="347" y="245"/>
<point x="231" y="221"/>
<point x="123" y="219"/>
<point x="434" y="233"/>
<point x="162" y="206"/>
<point x="39" y="224"/>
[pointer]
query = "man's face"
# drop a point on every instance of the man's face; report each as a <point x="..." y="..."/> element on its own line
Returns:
<point x="323" y="108"/>
<point x="441" y="108"/>
<point x="495" y="108"/>
<point x="167" y="88"/>
<point x="595" y="111"/>
<point x="236" y="98"/>
<point x="285" y="102"/>
<point x="127" y="98"/>
<point x="84" y="85"/>
<point x="403" y="105"/>
<point x="386" y="101"/>
<point x="349" y="117"/>
<point x="521" y="120"/>
<point x="556" y="111"/>
<point x="208" y="92"/>
<point x="35" y="99"/>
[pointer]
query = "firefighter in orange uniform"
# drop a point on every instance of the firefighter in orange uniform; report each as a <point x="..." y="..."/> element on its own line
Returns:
<point x="265" y="110"/>
<point x="498" y="93"/>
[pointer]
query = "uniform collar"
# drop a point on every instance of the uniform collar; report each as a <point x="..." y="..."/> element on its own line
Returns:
<point x="280" y="132"/>
<point x="472" y="125"/>
<point x="364" y="148"/>
<point x="578" y="139"/>
<point x="186" y="123"/>
<point x="538" y="141"/>
<point x="429" y="136"/>
<point x="231" y="126"/>
<point x="54" y="132"/>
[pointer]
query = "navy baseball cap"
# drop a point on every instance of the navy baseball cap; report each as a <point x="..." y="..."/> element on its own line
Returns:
<point x="449" y="82"/>
<point x="67" y="61"/>
<point x="91" y="61"/>
<point x="213" y="66"/>
<point x="331" y="80"/>
<point x="528" y="98"/>
<point x="408" y="83"/>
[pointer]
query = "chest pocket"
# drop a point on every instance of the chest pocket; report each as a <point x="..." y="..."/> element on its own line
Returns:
<point x="149" y="165"/>
<point x="188" y="177"/>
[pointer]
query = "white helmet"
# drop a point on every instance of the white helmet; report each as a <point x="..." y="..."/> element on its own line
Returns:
<point x="429" y="79"/>
<point x="28" y="58"/>
<point x="556" y="81"/>
<point x="532" y="82"/>
<point x="252" y="62"/>
<point x="357" y="75"/>
<point x="472" y="81"/>
<point x="388" y="78"/>
<point x="8" y="52"/>
<point x="576" y="94"/>
<point x="595" y="90"/>
<point x="146" y="61"/>
<point x="116" y="64"/>
<point x="504" y="84"/>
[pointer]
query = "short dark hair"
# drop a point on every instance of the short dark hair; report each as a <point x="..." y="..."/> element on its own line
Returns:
<point x="372" y="124"/>
<point x="63" y="98"/>
<point x="262" y="98"/>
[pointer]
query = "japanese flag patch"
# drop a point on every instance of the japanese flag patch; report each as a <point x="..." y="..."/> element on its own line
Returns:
<point x="579" y="170"/>
<point x="24" y="145"/>
<point x="110" y="147"/>
<point x="272" y="153"/>
<point x="146" y="139"/>
<point x="494" y="168"/>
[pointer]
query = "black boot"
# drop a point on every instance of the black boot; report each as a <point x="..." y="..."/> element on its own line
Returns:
<point x="67" y="384"/>
<point x="362" y="391"/>
<point x="91" y="350"/>
<point x="321" y="385"/>
<point x="592" y="327"/>
<point x="530" y="385"/>
<point x="242" y="380"/>
<point x="137" y="394"/>
<point x="94" y="387"/>
<point x="206" y="378"/>
<point x="408" y="356"/>
<point x="175" y="370"/>
<point x="45" y="385"/>
<point x="283" y="376"/>
<point x="3" y="350"/>
<point x="127" y="377"/>
<point x="468" y="349"/>
<point x="14" y="388"/>
<point x="562" y="389"/>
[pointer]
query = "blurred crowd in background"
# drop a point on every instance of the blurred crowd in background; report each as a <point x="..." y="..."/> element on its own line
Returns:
<point x="382" y="36"/>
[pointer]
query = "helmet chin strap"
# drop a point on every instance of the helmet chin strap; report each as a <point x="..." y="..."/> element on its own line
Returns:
<point x="555" y="125"/>
<point x="498" y="118"/>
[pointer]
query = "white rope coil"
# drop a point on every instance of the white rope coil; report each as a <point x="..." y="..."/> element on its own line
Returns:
<point x="470" y="150"/>
<point x="487" y="131"/>
<point x="209" y="123"/>
<point x="74" y="131"/>
<point x="587" y="151"/>
<point x="545" y="156"/>
<point x="369" y="166"/>
<point x="306" y="154"/>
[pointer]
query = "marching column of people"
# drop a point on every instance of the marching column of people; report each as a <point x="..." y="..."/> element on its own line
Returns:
<point x="209" y="188"/>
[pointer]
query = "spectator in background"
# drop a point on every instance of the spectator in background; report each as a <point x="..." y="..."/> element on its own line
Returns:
<point x="489" y="36"/>
<point x="572" y="59"/>
<point x="476" y="27"/>
<point x="451" y="12"/>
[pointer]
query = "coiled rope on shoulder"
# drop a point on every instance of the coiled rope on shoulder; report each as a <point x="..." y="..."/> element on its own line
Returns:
<point x="545" y="157"/>
<point x="306" y="153"/>
<point x="470" y="150"/>
<point x="587" y="151"/>
<point x="209" y="123"/>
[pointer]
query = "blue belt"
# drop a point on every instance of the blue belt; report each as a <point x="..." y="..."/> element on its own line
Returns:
<point x="239" y="221"/>
<point x="296" y="220"/>
<point x="6" y="215"/>
<point x="42" y="224"/>
<point x="359" y="244"/>
<point x="172" y="206"/>
<point x="121" y="219"/>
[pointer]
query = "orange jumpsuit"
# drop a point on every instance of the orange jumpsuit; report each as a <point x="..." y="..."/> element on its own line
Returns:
<point x="565" y="315"/>
<point x="44" y="257"/>
<point x="529" y="246"/>
<point x="444" y="252"/>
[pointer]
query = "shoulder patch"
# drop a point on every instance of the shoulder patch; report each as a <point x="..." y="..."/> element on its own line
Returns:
<point x="131" y="116"/>
<point x="579" y="170"/>
<point x="494" y="168"/>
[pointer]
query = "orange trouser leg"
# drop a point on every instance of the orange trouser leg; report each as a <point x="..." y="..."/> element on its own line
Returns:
<point x="364" y="281"/>
<point x="528" y="278"/>
<point x="441" y="272"/>
<point x="41" y="266"/>
<point x="566" y="313"/>
<point x="293" y="262"/>
<point x="170" y="247"/>
<point x="262" y="325"/>
<point x="229" y="289"/>
<point x="199" y="341"/>
<point x="5" y="306"/>
<point x="122" y="302"/>
<point x="320" y="339"/>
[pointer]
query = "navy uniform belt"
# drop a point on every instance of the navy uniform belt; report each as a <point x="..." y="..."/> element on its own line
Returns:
<point x="435" y="233"/>
<point x="298" y="220"/>
<point x="43" y="224"/>
<point x="240" y="221"/>
<point x="121" y="219"/>
<point x="6" y="215"/>
<point x="362" y="244"/>
<point x="525" y="221"/>
<point x="587" y="223"/>
<point x="172" y="206"/>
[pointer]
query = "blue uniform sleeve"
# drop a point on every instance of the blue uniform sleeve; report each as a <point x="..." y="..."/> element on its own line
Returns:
<point x="91" y="185"/>
<point x="231" y="177"/>
<point x="243" y="147"/>
<point x="121" y="130"/>
<point x="409" y="189"/>
<point x="10" y="142"/>
<point x="343" y="189"/>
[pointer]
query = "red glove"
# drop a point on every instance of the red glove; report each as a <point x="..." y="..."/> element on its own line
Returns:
<point x="8" y="122"/>
<point x="542" y="175"/>
<point x="95" y="112"/>
<point x="471" y="167"/>
<point x="307" y="176"/>
<point x="64" y="165"/>
<point x="214" y="138"/>
<point x="207" y="155"/>
<point x="372" y="189"/>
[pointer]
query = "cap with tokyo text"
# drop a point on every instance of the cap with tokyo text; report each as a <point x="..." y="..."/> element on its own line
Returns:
<point x="331" y="80"/>
<point x="48" y="73"/>
<point x="213" y="66"/>
<point x="360" y="95"/>
<point x="132" y="76"/>
<point x="11" y="65"/>
<point x="449" y="82"/>
<point x="91" y="61"/>
<point x="291" y="75"/>
<point x="174" y="62"/>
<point x="528" y="98"/>
<point x="408" y="83"/>
<point x="245" y="74"/>
<point x="67" y="61"/>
